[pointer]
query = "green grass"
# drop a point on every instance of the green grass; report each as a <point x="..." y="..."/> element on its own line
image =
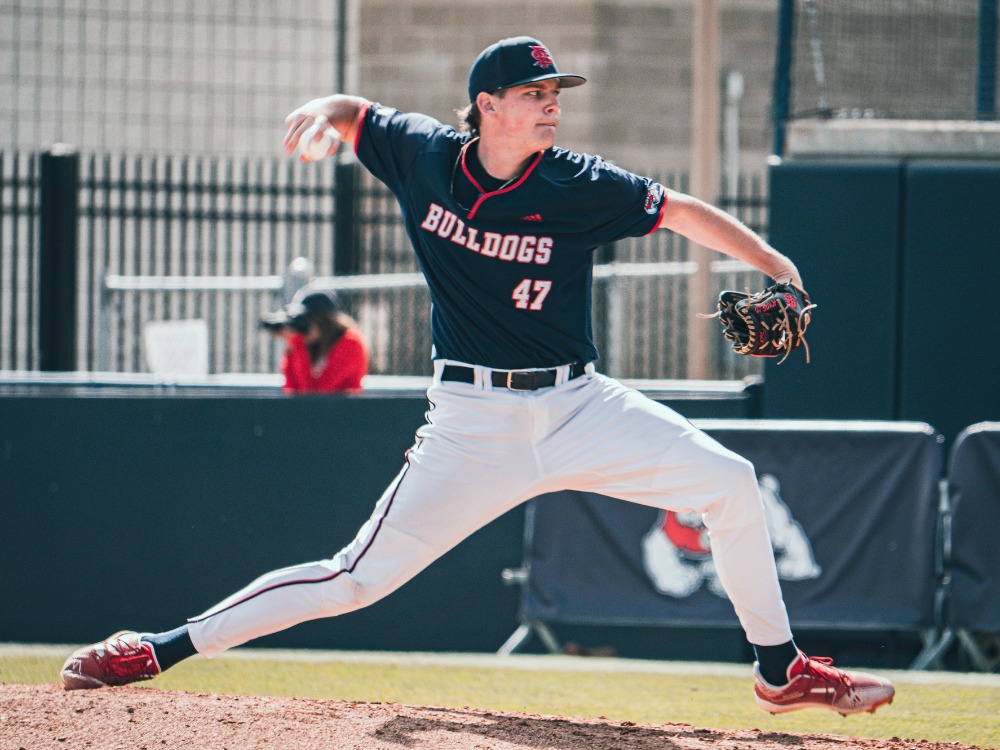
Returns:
<point x="937" y="707"/>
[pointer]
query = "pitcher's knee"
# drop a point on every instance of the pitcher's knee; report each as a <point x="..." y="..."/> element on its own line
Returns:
<point x="738" y="495"/>
<point x="736" y="475"/>
<point x="358" y="592"/>
<point x="363" y="595"/>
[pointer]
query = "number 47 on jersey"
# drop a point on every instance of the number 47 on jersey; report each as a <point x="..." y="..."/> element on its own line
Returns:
<point x="530" y="294"/>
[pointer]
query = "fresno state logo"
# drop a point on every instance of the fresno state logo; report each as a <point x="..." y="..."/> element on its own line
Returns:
<point x="677" y="551"/>
<point x="542" y="57"/>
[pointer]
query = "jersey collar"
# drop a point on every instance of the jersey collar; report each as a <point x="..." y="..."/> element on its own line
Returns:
<point x="511" y="184"/>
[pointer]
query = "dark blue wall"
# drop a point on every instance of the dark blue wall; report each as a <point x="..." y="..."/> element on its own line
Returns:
<point x="131" y="508"/>
<point x="902" y="258"/>
<point x="949" y="356"/>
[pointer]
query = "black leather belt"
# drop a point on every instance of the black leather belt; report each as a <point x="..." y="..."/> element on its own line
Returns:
<point x="515" y="380"/>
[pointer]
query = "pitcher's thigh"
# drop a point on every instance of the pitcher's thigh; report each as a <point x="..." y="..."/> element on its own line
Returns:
<point x="650" y="454"/>
<point x="442" y="495"/>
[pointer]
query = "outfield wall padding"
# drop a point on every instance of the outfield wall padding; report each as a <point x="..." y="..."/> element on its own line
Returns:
<point x="852" y="511"/>
<point x="900" y="255"/>
<point x="974" y="490"/>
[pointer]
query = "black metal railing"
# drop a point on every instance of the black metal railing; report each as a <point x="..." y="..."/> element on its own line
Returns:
<point x="19" y="210"/>
<point x="158" y="238"/>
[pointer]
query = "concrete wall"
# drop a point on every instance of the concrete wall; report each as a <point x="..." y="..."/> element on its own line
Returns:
<point x="636" y="108"/>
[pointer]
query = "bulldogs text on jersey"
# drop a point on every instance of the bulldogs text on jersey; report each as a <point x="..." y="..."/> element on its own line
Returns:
<point x="522" y="248"/>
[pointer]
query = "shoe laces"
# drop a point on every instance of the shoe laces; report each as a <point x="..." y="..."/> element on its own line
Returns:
<point x="822" y="668"/>
<point x="124" y="662"/>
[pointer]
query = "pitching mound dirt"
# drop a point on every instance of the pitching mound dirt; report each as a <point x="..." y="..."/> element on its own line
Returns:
<point x="33" y="717"/>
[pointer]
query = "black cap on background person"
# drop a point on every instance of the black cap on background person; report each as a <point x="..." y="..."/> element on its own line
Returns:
<point x="307" y="305"/>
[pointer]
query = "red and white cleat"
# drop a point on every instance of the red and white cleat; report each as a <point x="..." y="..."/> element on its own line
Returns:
<point x="816" y="683"/>
<point x="119" y="660"/>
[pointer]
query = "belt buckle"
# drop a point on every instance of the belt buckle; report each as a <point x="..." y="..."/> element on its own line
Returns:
<point x="510" y="375"/>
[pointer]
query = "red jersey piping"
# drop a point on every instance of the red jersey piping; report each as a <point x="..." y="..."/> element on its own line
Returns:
<point x="505" y="189"/>
<point x="361" y="124"/>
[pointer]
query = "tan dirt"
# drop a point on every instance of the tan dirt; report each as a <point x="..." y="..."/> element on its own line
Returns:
<point x="41" y="717"/>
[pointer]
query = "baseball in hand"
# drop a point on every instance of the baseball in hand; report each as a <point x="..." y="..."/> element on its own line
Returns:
<point x="313" y="148"/>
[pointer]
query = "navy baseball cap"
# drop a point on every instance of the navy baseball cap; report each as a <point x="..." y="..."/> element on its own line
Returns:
<point x="513" y="62"/>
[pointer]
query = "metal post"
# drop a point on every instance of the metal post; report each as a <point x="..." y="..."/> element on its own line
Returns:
<point x="782" y="90"/>
<point x="57" y="258"/>
<point x="340" y="46"/>
<point x="616" y="324"/>
<point x="346" y="250"/>
<point x="733" y="94"/>
<point x="705" y="129"/>
<point x="986" y="76"/>
<point x="103" y="340"/>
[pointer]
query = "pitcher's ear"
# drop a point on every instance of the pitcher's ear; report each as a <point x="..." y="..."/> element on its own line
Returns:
<point x="485" y="102"/>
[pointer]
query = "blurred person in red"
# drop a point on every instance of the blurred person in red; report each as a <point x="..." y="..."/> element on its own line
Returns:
<point x="325" y="350"/>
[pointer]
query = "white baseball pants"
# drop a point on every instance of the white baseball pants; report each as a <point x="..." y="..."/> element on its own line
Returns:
<point x="482" y="452"/>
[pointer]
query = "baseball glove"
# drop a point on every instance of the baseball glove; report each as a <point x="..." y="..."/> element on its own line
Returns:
<point x="770" y="323"/>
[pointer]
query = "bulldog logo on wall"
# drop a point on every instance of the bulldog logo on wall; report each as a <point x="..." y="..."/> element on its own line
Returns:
<point x="677" y="552"/>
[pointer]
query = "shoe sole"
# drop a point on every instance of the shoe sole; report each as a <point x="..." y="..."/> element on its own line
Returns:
<point x="75" y="681"/>
<point x="774" y="709"/>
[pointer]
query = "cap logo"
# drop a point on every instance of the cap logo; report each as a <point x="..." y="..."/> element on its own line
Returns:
<point x="542" y="57"/>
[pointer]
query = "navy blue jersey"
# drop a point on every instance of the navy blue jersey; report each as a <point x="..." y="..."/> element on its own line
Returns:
<point x="509" y="270"/>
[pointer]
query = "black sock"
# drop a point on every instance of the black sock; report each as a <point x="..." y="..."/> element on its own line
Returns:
<point x="171" y="647"/>
<point x="773" y="661"/>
